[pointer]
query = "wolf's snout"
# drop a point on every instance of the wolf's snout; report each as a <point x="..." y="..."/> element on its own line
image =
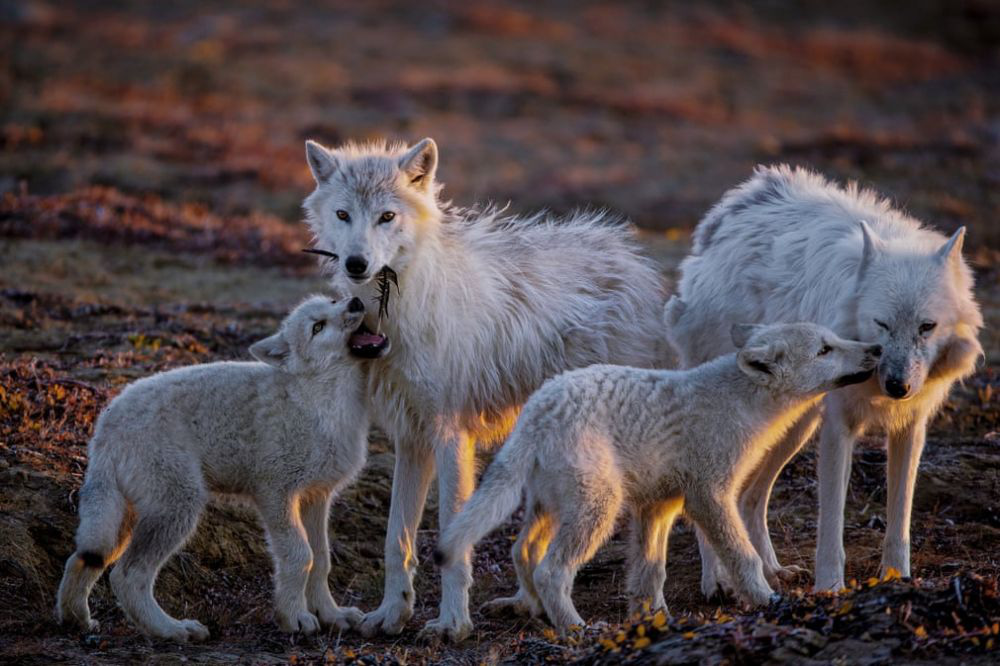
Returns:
<point x="356" y="305"/>
<point x="896" y="388"/>
<point x="356" y="265"/>
<point x="874" y="350"/>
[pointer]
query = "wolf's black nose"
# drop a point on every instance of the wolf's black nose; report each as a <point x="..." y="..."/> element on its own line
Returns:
<point x="356" y="265"/>
<point x="875" y="350"/>
<point x="896" y="388"/>
<point x="356" y="305"/>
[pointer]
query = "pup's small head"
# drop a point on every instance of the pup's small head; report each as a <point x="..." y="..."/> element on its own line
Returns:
<point x="371" y="203"/>
<point x="917" y="303"/>
<point x="802" y="360"/>
<point x="319" y="334"/>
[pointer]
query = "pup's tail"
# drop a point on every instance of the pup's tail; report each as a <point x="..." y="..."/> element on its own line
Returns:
<point x="100" y="540"/>
<point x="494" y="500"/>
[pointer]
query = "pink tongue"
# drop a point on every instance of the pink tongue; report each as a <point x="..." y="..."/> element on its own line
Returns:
<point x="365" y="339"/>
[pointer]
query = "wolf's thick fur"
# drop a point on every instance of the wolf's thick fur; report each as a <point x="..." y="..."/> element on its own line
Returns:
<point x="598" y="440"/>
<point x="489" y="306"/>
<point x="288" y="433"/>
<point x="788" y="245"/>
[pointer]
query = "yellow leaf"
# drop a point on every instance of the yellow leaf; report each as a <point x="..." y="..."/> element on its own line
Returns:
<point x="641" y="642"/>
<point x="549" y="634"/>
<point x="872" y="582"/>
<point x="607" y="644"/>
<point x="920" y="632"/>
<point x="641" y="630"/>
<point x="688" y="634"/>
<point x="892" y="573"/>
<point x="660" y="619"/>
<point x="620" y="637"/>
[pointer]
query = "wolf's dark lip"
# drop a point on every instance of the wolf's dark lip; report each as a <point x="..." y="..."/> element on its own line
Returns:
<point x="855" y="378"/>
<point x="363" y="343"/>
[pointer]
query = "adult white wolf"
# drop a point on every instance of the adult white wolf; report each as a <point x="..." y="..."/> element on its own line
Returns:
<point x="788" y="245"/>
<point x="489" y="306"/>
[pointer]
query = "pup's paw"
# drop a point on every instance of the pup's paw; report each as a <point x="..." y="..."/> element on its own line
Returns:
<point x="302" y="622"/>
<point x="515" y="606"/>
<point x="785" y="575"/>
<point x="389" y="618"/>
<point x="180" y="631"/>
<point x="196" y="631"/>
<point x="454" y="629"/>
<point x="342" y="618"/>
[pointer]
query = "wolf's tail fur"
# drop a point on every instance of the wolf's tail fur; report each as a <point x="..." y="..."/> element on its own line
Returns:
<point x="100" y="539"/>
<point x="494" y="500"/>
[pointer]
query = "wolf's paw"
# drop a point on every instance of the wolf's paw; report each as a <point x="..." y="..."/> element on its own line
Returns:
<point x="715" y="584"/>
<point x="515" y="606"/>
<point x="302" y="622"/>
<point x="454" y="629"/>
<point x="389" y="619"/>
<point x="785" y="575"/>
<point x="196" y="631"/>
<point x="342" y="618"/>
<point x="181" y="631"/>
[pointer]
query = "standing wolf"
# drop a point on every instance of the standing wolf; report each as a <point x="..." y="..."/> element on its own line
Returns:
<point x="489" y="306"/>
<point x="787" y="245"/>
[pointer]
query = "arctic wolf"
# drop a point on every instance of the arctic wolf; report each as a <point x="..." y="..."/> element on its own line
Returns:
<point x="288" y="432"/>
<point x="788" y="245"/>
<point x="595" y="441"/>
<point x="488" y="307"/>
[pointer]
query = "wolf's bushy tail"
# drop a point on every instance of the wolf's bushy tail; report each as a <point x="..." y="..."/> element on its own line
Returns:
<point x="99" y="541"/>
<point x="494" y="500"/>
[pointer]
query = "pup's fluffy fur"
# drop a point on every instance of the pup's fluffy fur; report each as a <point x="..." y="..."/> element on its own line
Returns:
<point x="489" y="307"/>
<point x="595" y="441"/>
<point x="287" y="432"/>
<point x="788" y="245"/>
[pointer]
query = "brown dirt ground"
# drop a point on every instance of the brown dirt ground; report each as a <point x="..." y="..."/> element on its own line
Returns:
<point x="151" y="170"/>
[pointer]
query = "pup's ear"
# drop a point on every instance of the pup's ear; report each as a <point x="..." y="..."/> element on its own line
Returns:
<point x="740" y="333"/>
<point x="419" y="164"/>
<point x="322" y="162"/>
<point x="951" y="252"/>
<point x="757" y="363"/>
<point x="872" y="245"/>
<point x="273" y="350"/>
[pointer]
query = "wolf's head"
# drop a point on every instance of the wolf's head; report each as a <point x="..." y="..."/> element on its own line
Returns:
<point x="371" y="203"/>
<point x="802" y="360"/>
<point x="319" y="334"/>
<point x="917" y="302"/>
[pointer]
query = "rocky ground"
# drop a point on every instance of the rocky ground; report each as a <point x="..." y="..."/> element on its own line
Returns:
<point x="151" y="170"/>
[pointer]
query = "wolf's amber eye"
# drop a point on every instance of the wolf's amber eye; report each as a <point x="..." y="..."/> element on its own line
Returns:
<point x="342" y="215"/>
<point x="318" y="326"/>
<point x="927" y="327"/>
<point x="825" y="350"/>
<point x="881" y="325"/>
<point x="387" y="216"/>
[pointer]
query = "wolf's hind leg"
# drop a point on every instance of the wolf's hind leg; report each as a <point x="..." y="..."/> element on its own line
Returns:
<point x="527" y="552"/>
<point x="315" y="517"/>
<point x="647" y="557"/>
<point x="154" y="539"/>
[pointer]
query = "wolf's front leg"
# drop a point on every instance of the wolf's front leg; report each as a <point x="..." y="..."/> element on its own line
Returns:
<point x="904" y="452"/>
<point x="410" y="480"/>
<point x="315" y="518"/>
<point x="836" y="444"/>
<point x="456" y="481"/>
<point x="293" y="561"/>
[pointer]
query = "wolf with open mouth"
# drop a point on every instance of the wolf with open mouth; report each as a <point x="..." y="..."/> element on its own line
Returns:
<point x="488" y="307"/>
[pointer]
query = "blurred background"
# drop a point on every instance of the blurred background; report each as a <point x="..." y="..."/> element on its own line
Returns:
<point x="151" y="174"/>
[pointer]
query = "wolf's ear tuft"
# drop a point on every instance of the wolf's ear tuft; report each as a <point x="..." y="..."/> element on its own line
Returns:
<point x="740" y="333"/>
<point x="756" y="363"/>
<point x="322" y="162"/>
<point x="951" y="251"/>
<point x="419" y="163"/>
<point x="273" y="350"/>
<point x="872" y="245"/>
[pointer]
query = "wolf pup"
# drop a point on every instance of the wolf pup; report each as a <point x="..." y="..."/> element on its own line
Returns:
<point x="789" y="245"/>
<point x="593" y="442"/>
<point x="287" y="432"/>
<point x="489" y="306"/>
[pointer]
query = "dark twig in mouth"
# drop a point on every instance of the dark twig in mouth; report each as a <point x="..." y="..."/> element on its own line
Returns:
<point x="324" y="253"/>
<point x="385" y="279"/>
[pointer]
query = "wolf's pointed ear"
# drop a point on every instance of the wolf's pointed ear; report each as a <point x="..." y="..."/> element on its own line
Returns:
<point x="740" y="333"/>
<point x="757" y="363"/>
<point x="273" y="350"/>
<point x="419" y="163"/>
<point x="322" y="162"/>
<point x="872" y="245"/>
<point x="951" y="252"/>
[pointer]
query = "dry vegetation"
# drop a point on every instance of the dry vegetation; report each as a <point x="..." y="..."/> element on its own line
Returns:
<point x="151" y="171"/>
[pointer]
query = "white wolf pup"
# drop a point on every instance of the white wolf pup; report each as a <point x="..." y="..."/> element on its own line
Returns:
<point x="489" y="306"/>
<point x="788" y="245"/>
<point x="655" y="442"/>
<point x="288" y="432"/>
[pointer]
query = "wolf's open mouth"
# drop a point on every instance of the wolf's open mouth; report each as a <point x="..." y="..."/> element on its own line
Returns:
<point x="366" y="344"/>
<point x="855" y="378"/>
